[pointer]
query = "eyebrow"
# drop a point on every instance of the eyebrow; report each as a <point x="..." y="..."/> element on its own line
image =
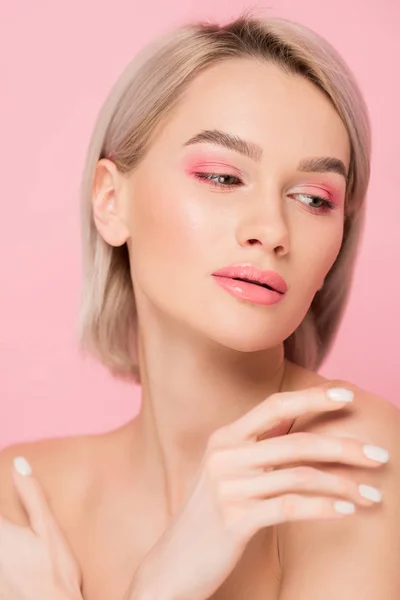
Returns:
<point x="314" y="164"/>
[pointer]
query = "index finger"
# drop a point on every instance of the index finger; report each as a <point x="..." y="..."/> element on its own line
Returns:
<point x="31" y="495"/>
<point x="283" y="406"/>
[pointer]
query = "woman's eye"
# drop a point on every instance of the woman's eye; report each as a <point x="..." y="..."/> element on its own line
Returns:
<point x="224" y="180"/>
<point x="324" y="205"/>
<point x="219" y="179"/>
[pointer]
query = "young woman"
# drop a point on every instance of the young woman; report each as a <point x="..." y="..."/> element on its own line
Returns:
<point x="223" y="201"/>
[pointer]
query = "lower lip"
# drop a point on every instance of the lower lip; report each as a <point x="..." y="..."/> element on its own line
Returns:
<point x="249" y="291"/>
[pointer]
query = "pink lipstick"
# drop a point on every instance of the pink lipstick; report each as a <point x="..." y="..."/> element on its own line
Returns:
<point x="247" y="282"/>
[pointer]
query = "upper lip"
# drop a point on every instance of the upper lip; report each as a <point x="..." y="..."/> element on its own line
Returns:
<point x="250" y="273"/>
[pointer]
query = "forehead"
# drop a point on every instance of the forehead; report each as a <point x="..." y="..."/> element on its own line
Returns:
<point x="258" y="101"/>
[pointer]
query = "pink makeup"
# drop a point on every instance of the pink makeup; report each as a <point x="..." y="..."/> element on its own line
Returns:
<point x="205" y="166"/>
<point x="204" y="162"/>
<point x="249" y="291"/>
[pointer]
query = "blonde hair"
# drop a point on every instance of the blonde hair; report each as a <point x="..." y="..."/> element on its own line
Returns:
<point x="147" y="90"/>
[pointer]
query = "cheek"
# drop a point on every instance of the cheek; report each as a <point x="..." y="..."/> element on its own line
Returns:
<point x="320" y="255"/>
<point x="332" y="247"/>
<point x="169" y="230"/>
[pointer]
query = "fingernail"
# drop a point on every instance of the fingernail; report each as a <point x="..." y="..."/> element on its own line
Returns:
<point x="370" y="493"/>
<point x="376" y="453"/>
<point x="345" y="508"/>
<point x="340" y="394"/>
<point x="22" y="466"/>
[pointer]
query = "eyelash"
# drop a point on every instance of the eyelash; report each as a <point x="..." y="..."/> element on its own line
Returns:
<point x="327" y="205"/>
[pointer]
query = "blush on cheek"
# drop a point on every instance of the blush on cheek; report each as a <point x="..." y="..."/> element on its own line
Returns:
<point x="170" y="224"/>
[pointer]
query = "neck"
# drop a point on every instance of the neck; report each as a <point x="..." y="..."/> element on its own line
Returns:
<point x="188" y="391"/>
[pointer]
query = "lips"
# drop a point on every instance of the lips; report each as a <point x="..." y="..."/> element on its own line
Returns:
<point x="251" y="274"/>
<point x="264" y="285"/>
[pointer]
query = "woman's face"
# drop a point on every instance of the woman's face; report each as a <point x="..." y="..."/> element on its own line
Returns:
<point x="182" y="227"/>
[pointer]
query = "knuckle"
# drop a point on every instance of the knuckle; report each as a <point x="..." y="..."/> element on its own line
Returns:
<point x="342" y="485"/>
<point x="337" y="446"/>
<point x="278" y="398"/>
<point x="289" y="506"/>
<point x="304" y="475"/>
<point x="215" y="460"/>
<point x="322" y="506"/>
<point x="282" y="400"/>
<point x="218" y="438"/>
<point x="302" y="442"/>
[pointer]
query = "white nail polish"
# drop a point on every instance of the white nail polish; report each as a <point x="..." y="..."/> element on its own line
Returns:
<point x="22" y="466"/>
<point x="370" y="493"/>
<point x="340" y="394"/>
<point x="345" y="508"/>
<point x="376" y="453"/>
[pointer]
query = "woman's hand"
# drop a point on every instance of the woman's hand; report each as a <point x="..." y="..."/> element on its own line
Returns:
<point x="35" y="562"/>
<point x="244" y="484"/>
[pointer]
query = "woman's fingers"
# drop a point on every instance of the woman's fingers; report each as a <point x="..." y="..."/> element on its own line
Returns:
<point x="32" y="497"/>
<point x="299" y="447"/>
<point x="297" y="479"/>
<point x="281" y="407"/>
<point x="293" y="507"/>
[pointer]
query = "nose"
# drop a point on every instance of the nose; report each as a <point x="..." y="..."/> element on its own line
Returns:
<point x="265" y="223"/>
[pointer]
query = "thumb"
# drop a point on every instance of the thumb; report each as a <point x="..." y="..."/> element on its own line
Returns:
<point x="32" y="496"/>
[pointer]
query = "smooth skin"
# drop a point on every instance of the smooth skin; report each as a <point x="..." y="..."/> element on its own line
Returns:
<point x="242" y="487"/>
<point x="35" y="559"/>
<point x="208" y="359"/>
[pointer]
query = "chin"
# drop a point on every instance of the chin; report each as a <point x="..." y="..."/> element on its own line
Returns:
<point x="244" y="338"/>
<point x="251" y="332"/>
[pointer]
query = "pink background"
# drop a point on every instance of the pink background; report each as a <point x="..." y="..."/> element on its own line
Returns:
<point x="58" y="61"/>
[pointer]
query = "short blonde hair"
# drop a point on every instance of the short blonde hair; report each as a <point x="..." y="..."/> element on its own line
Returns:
<point x="147" y="90"/>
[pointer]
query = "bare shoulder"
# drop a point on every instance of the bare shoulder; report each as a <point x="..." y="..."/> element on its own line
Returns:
<point x="309" y="549"/>
<point x="370" y="415"/>
<point x="63" y="466"/>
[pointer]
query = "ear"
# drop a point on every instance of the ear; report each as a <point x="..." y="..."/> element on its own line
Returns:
<point x="109" y="192"/>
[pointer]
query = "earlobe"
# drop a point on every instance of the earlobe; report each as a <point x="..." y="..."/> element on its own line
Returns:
<point x="108" y="222"/>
